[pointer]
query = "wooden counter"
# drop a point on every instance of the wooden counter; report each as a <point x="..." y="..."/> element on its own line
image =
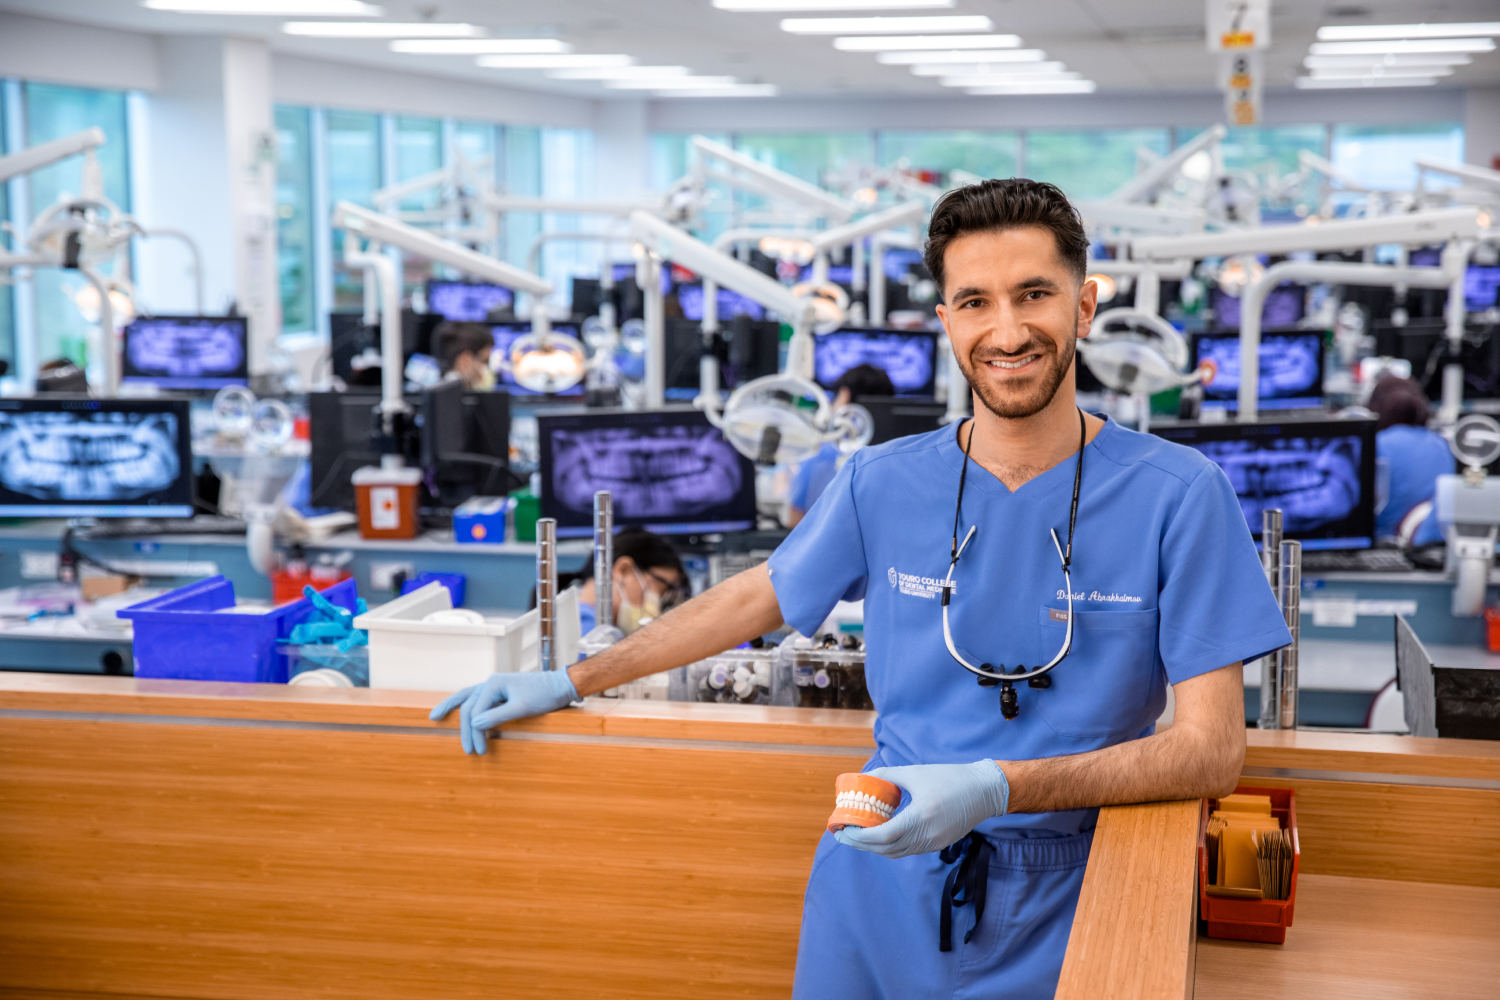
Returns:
<point x="168" y="838"/>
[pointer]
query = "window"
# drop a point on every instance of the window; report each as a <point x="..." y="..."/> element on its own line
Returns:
<point x="567" y="160"/>
<point x="812" y="156"/>
<point x="523" y="179"/>
<point x="1380" y="156"/>
<point x="1089" y="164"/>
<point x="53" y="112"/>
<point x="1268" y="154"/>
<point x="353" y="144"/>
<point x="984" y="154"/>
<point x="294" y="230"/>
<point x="671" y="158"/>
<point x="8" y="243"/>
<point x="419" y="150"/>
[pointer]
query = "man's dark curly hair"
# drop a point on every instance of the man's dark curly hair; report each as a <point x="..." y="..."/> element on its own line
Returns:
<point x="1006" y="204"/>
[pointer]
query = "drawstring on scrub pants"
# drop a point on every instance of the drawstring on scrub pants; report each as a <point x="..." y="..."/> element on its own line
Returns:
<point x="966" y="884"/>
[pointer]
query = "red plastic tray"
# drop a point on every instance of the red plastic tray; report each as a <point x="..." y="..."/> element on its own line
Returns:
<point x="1264" y="920"/>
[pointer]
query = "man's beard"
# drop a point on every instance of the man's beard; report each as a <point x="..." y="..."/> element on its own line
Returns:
<point x="1055" y="364"/>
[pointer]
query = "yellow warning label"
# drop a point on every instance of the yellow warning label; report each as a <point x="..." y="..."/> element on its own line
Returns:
<point x="1237" y="40"/>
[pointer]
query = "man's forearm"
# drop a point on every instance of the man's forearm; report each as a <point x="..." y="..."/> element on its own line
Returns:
<point x="1200" y="755"/>
<point x="736" y="611"/>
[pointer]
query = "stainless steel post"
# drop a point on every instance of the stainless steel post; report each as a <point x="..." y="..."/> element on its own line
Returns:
<point x="604" y="558"/>
<point x="1286" y="659"/>
<point x="1270" y="559"/>
<point x="546" y="592"/>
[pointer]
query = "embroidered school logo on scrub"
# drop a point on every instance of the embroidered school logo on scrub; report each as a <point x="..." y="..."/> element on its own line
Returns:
<point x="917" y="586"/>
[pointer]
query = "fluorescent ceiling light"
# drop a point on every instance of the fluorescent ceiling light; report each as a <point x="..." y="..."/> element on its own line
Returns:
<point x="963" y="69"/>
<point x="987" y="79"/>
<point x="380" y="29"/>
<point x="773" y="5"/>
<point x="551" y="62"/>
<point x="672" y="83"/>
<point x="926" y="43"/>
<point x="1386" y="32"/>
<point x="479" y="46"/>
<point x="618" y="72"/>
<point x="883" y="25"/>
<point x="1322" y="83"/>
<point x="1361" y="72"/>
<point x="1011" y="56"/>
<point x="1389" y="59"/>
<point x="269" y="8"/>
<point x="1419" y="46"/>
<point x="738" y="90"/>
<point x="1025" y="89"/>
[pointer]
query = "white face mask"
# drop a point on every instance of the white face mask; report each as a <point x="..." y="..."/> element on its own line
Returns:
<point x="632" y="616"/>
<point x="486" y="380"/>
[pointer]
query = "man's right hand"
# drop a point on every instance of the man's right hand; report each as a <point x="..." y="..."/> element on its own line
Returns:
<point x="505" y="698"/>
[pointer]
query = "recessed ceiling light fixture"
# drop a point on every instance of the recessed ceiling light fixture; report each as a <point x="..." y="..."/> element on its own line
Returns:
<point x="738" y="90"/>
<point x="1030" y="89"/>
<point x="1389" y="59"/>
<point x="551" y="62"/>
<point x="380" y="29"/>
<point x="1321" y="83"/>
<point x="479" y="46"/>
<point x="959" y="69"/>
<point x="962" y="56"/>
<point x="1390" y="72"/>
<point x="926" y="43"/>
<point x="884" y="25"/>
<point x="1403" y="47"/>
<point x="1388" y="32"/>
<point x="673" y="83"/>
<point x="268" y="8"/>
<point x="990" y="79"/>
<point x="791" y="5"/>
<point x="618" y="72"/>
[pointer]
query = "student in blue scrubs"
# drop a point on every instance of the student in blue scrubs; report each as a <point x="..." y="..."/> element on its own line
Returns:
<point x="1415" y="457"/>
<point x="813" y="476"/>
<point x="970" y="889"/>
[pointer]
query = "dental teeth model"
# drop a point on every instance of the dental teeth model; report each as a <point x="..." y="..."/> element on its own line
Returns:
<point x="861" y="800"/>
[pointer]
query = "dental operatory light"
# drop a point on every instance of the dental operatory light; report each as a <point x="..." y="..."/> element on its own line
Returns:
<point x="1106" y="285"/>
<point x="269" y="8"/>
<point x="271" y="426"/>
<point x="1236" y="273"/>
<point x="480" y="46"/>
<point x="381" y="29"/>
<point x="1146" y="357"/>
<point x="121" y="304"/>
<point x="547" y="362"/>
<point x="786" y="248"/>
<point x="233" y="409"/>
<point x="830" y="304"/>
<point x="885" y="25"/>
<point x="783" y="419"/>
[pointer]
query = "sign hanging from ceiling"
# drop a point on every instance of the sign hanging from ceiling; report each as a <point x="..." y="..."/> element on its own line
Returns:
<point x="1240" y="77"/>
<point x="1237" y="25"/>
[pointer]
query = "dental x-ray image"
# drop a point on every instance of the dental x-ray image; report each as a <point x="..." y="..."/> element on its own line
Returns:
<point x="102" y="455"/>
<point x="669" y="472"/>
<point x="1319" y="474"/>
<point x="186" y="352"/>
<point x="907" y="358"/>
<point x="1291" y="369"/>
<point x="466" y="301"/>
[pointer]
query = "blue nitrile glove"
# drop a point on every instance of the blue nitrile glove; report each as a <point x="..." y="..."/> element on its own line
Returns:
<point x="947" y="802"/>
<point x="505" y="698"/>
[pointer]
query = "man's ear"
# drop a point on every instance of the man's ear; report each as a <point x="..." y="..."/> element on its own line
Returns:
<point x="1088" y="305"/>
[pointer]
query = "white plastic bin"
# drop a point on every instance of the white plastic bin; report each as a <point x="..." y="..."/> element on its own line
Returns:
<point x="410" y="654"/>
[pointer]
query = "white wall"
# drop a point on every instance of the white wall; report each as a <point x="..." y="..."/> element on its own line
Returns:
<point x="1482" y="127"/>
<point x="620" y="149"/>
<point x="34" y="48"/>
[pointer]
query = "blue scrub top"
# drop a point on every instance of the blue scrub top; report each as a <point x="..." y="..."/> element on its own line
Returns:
<point x="1417" y="456"/>
<point x="1167" y="585"/>
<point x="813" y="476"/>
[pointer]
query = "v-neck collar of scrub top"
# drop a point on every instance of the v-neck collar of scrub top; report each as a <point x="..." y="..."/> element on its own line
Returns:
<point x="1041" y="486"/>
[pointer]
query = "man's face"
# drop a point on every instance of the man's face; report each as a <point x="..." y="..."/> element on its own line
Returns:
<point x="1013" y="311"/>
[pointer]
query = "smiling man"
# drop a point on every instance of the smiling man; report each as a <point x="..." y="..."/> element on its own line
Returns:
<point x="1030" y="535"/>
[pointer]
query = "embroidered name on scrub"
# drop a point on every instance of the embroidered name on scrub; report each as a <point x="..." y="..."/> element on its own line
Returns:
<point x="918" y="586"/>
<point x="1062" y="595"/>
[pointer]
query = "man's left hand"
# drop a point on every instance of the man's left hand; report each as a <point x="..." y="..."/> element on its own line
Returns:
<point x="947" y="802"/>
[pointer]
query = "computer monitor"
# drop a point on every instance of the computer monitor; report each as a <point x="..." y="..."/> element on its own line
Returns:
<point x="731" y="304"/>
<point x="1283" y="307"/>
<point x="466" y="301"/>
<point x="506" y="335"/>
<point x="465" y="438"/>
<point x="909" y="357"/>
<point x="186" y="352"/>
<point x="71" y="456"/>
<point x="1482" y="287"/>
<point x="896" y="417"/>
<point x="1423" y="342"/>
<point x="670" y="471"/>
<point x="1319" y="473"/>
<point x="340" y="426"/>
<point x="1291" y="369"/>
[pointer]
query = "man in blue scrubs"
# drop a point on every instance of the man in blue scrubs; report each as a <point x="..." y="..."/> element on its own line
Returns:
<point x="969" y="891"/>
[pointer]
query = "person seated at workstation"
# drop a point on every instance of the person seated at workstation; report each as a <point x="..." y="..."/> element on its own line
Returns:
<point x="648" y="580"/>
<point x="814" y="475"/>
<point x="1415" y="456"/>
<point x="463" y="351"/>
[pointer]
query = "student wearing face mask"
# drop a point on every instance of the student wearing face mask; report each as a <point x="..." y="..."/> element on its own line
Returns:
<point x="648" y="580"/>
<point x="463" y="351"/>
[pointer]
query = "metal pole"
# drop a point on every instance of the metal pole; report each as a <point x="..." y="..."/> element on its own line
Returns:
<point x="604" y="558"/>
<point x="546" y="592"/>
<point x="1286" y="659"/>
<point x="1270" y="559"/>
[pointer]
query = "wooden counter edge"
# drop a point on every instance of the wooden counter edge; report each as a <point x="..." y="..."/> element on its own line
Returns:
<point x="1133" y="932"/>
<point x="1372" y="753"/>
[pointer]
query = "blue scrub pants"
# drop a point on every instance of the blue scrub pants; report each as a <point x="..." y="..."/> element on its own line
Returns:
<point x="870" y="924"/>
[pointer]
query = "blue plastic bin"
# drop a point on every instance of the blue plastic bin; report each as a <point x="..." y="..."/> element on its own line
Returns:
<point x="184" y="635"/>
<point x="453" y="581"/>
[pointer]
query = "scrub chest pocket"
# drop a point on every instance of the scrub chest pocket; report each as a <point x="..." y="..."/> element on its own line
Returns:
<point x="1105" y="685"/>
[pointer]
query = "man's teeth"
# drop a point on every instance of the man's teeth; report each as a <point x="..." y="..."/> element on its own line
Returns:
<point x="1023" y="362"/>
